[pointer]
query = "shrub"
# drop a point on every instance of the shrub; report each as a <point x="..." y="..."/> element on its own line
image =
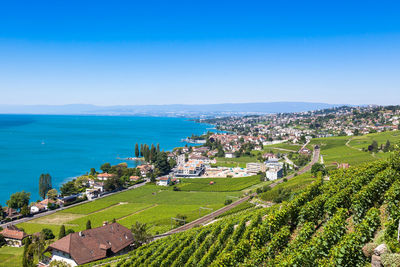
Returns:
<point x="48" y="234"/>
<point x="390" y="259"/>
<point x="228" y="201"/>
<point x="368" y="249"/>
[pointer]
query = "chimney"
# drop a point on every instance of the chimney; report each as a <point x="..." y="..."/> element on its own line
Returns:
<point x="81" y="234"/>
<point x="105" y="223"/>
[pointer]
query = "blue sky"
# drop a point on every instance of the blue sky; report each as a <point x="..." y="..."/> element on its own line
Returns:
<point x="197" y="52"/>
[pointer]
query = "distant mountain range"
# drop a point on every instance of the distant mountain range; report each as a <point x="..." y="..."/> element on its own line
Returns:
<point x="168" y="110"/>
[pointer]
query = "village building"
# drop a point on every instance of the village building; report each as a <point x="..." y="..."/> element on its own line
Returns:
<point x="92" y="245"/>
<point x="274" y="173"/>
<point x="104" y="176"/>
<point x="164" y="181"/>
<point x="13" y="236"/>
<point x="192" y="168"/>
<point x="255" y="167"/>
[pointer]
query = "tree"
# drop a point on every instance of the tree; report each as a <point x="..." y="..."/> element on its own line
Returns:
<point x="182" y="219"/>
<point x="88" y="225"/>
<point x="105" y="167"/>
<point x="69" y="231"/>
<point x="113" y="183"/>
<point x="1" y="213"/>
<point x="61" y="234"/>
<point x="18" y="200"/>
<point x="25" y="211"/>
<point x="68" y="189"/>
<point x="93" y="171"/>
<point x="47" y="234"/>
<point x="373" y="147"/>
<point x="44" y="184"/>
<point x="52" y="194"/>
<point x="141" y="150"/>
<point x="137" y="150"/>
<point x="162" y="163"/>
<point x="28" y="256"/>
<point x="113" y="220"/>
<point x="318" y="167"/>
<point x="2" y="241"/>
<point x="387" y="147"/>
<point x="140" y="234"/>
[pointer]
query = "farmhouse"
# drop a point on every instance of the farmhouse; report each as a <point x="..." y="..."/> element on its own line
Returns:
<point x="13" y="236"/>
<point x="91" y="245"/>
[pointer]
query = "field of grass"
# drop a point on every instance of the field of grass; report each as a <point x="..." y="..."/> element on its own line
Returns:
<point x="360" y="142"/>
<point x="296" y="183"/>
<point x="220" y="184"/>
<point x="235" y="162"/>
<point x="11" y="257"/>
<point x="334" y="149"/>
<point x="151" y="204"/>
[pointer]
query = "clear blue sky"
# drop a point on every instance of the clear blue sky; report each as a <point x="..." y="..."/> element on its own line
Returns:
<point x="195" y="52"/>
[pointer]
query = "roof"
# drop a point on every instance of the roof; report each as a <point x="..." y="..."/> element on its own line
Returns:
<point x="93" y="244"/>
<point x="13" y="232"/>
<point x="105" y="175"/>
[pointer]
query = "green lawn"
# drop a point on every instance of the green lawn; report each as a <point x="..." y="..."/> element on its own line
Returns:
<point x="11" y="257"/>
<point x="220" y="184"/>
<point x="151" y="204"/>
<point x="288" y="146"/>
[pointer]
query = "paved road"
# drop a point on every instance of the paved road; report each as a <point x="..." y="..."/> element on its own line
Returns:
<point x="38" y="215"/>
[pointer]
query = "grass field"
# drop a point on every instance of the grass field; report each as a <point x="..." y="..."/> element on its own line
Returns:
<point x="151" y="204"/>
<point x="220" y="184"/>
<point x="287" y="146"/>
<point x="235" y="162"/>
<point x="334" y="149"/>
<point x="11" y="257"/>
<point x="296" y="183"/>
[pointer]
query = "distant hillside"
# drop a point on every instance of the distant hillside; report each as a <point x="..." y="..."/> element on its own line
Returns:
<point x="168" y="110"/>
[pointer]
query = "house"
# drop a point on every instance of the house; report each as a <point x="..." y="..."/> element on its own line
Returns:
<point x="10" y="213"/>
<point x="164" y="181"/>
<point x="230" y="155"/>
<point x="92" y="193"/>
<point x="37" y="207"/>
<point x="92" y="245"/>
<point x="134" y="178"/>
<point x="274" y="173"/>
<point x="145" y="169"/>
<point x="104" y="176"/>
<point x="13" y="236"/>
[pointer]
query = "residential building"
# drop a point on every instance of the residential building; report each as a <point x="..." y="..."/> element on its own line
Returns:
<point x="255" y="167"/>
<point x="274" y="173"/>
<point x="13" y="236"/>
<point x="92" y="245"/>
<point x="164" y="181"/>
<point x="104" y="176"/>
<point x="192" y="168"/>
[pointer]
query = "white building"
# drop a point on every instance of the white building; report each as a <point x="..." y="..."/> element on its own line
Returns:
<point x="274" y="173"/>
<point x="255" y="167"/>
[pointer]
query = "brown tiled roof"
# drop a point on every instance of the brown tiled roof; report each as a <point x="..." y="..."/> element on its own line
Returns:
<point x="14" y="233"/>
<point x="91" y="245"/>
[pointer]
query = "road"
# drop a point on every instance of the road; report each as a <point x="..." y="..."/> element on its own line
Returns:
<point x="49" y="212"/>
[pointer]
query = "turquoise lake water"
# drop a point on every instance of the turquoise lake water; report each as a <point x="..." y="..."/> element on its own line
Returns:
<point x="68" y="146"/>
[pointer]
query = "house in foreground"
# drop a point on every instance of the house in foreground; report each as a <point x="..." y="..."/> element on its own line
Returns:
<point x="13" y="236"/>
<point x="92" y="245"/>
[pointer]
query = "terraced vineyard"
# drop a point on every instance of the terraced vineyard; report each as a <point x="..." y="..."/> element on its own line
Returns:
<point x="326" y="224"/>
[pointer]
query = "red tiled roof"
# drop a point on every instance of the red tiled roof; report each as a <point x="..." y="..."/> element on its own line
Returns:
<point x="92" y="244"/>
<point x="14" y="233"/>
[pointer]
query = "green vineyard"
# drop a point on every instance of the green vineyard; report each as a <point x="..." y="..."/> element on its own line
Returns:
<point x="326" y="224"/>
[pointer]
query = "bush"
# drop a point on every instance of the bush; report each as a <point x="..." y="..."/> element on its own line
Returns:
<point x="228" y="201"/>
<point x="2" y="241"/>
<point x="285" y="179"/>
<point x="176" y="188"/>
<point x="368" y="249"/>
<point x="48" y="234"/>
<point x="390" y="259"/>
